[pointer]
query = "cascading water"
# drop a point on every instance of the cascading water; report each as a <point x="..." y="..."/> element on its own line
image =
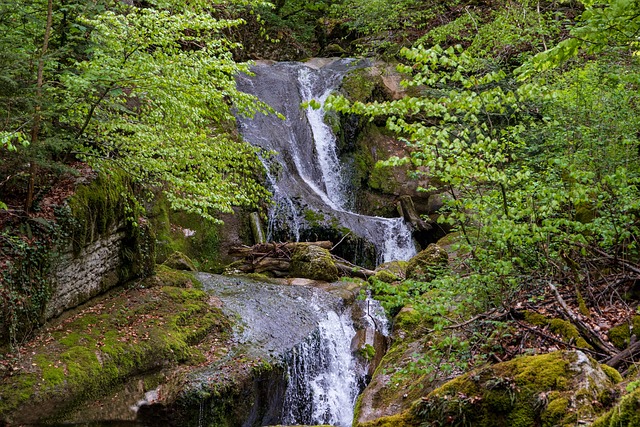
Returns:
<point x="310" y="176"/>
<point x="322" y="376"/>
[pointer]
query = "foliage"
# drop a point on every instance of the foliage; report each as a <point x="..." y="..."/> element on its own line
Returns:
<point x="612" y="24"/>
<point x="146" y="90"/>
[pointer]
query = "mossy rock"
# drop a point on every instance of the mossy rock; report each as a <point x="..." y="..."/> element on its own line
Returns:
<point x="428" y="264"/>
<point x="390" y="272"/>
<point x="166" y="276"/>
<point x="404" y="419"/>
<point x="88" y="353"/>
<point x="620" y="336"/>
<point x="313" y="262"/>
<point x="545" y="390"/>
<point x="626" y="413"/>
<point x="179" y="261"/>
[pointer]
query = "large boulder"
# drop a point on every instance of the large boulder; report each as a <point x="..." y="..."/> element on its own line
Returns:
<point x="563" y="388"/>
<point x="313" y="262"/>
<point x="427" y="264"/>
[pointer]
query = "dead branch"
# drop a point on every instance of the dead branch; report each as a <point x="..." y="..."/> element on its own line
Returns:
<point x="585" y="330"/>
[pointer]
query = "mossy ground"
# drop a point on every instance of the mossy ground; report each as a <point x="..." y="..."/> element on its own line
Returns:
<point x="124" y="333"/>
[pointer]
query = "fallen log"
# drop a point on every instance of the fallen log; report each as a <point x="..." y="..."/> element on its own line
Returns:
<point x="261" y="249"/>
<point x="276" y="258"/>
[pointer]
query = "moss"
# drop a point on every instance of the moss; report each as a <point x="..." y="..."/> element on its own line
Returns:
<point x="408" y="319"/>
<point x="620" y="336"/>
<point x="404" y="419"/>
<point x="166" y="276"/>
<point x="582" y="305"/>
<point x="385" y="276"/>
<point x="561" y="327"/>
<point x="612" y="373"/>
<point x="358" y="85"/>
<point x="527" y="391"/>
<point x="427" y="264"/>
<point x="568" y="331"/>
<point x="315" y="263"/>
<point x="626" y="413"/>
<point x="555" y="412"/>
<point x="382" y="178"/>
<point x="137" y="330"/>
<point x="187" y="233"/>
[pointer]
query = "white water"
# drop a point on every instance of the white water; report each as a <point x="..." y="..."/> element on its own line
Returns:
<point x="324" y="139"/>
<point x="308" y="176"/>
<point x="323" y="376"/>
<point x="282" y="206"/>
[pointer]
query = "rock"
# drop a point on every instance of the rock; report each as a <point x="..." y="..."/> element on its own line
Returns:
<point x="179" y="261"/>
<point x="625" y="413"/>
<point x="313" y="262"/>
<point x="427" y="264"/>
<point x="554" y="389"/>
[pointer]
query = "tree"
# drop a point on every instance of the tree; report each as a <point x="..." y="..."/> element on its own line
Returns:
<point x="146" y="90"/>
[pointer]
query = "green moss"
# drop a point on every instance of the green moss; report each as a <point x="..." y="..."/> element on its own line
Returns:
<point x="561" y="327"/>
<point x="555" y="412"/>
<point x="166" y="276"/>
<point x="385" y="276"/>
<point x="358" y="85"/>
<point x="626" y="413"/>
<point x="404" y="419"/>
<point x="527" y="391"/>
<point x="315" y="263"/>
<point x="187" y="233"/>
<point x="138" y="330"/>
<point x="582" y="305"/>
<point x="382" y="178"/>
<point x="368" y="352"/>
<point x="408" y="318"/>
<point x="620" y="336"/>
<point x="568" y="331"/>
<point x="428" y="264"/>
<point x="612" y="373"/>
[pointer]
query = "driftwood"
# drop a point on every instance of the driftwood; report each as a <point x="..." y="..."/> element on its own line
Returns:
<point x="276" y="258"/>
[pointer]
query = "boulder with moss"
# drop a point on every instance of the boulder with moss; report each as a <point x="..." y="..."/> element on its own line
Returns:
<point x="427" y="264"/>
<point x="563" y="388"/>
<point x="125" y="333"/>
<point x="179" y="261"/>
<point x="313" y="262"/>
<point x="626" y="413"/>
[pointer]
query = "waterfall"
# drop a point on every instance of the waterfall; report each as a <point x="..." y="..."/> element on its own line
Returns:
<point x="323" y="376"/>
<point x="305" y="173"/>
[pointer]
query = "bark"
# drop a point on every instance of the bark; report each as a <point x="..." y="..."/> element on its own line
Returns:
<point x="37" y="116"/>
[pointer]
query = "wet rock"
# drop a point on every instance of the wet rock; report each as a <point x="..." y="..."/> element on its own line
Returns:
<point x="313" y="262"/>
<point x="427" y="264"/>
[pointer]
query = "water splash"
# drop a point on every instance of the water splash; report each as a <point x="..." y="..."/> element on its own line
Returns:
<point x="323" y="376"/>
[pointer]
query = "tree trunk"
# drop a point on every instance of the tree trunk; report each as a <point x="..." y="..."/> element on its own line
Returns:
<point x="35" y="128"/>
